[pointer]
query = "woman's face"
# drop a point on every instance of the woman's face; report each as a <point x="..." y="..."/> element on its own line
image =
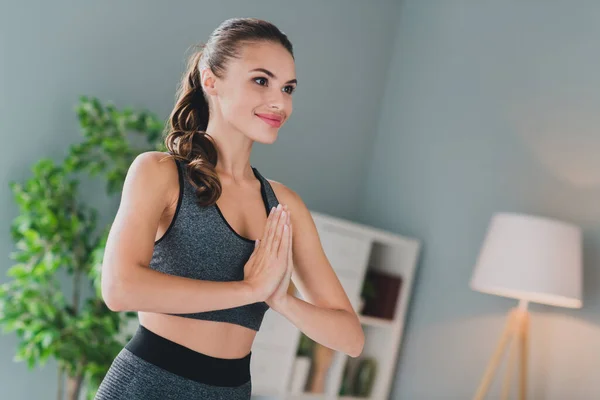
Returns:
<point x="255" y="95"/>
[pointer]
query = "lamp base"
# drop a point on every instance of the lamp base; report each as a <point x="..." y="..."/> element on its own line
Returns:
<point x="515" y="333"/>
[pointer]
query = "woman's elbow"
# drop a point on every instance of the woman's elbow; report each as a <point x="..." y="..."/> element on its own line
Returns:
<point x="112" y="292"/>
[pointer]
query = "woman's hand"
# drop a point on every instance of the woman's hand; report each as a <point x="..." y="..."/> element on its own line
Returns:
<point x="267" y="264"/>
<point x="279" y="296"/>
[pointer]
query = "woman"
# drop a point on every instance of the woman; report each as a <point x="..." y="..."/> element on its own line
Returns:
<point x="215" y="269"/>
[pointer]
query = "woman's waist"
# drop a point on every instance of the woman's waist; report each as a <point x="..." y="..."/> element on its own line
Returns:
<point x="213" y="338"/>
<point x="185" y="362"/>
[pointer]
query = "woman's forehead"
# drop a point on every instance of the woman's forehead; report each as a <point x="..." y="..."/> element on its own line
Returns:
<point x="270" y="56"/>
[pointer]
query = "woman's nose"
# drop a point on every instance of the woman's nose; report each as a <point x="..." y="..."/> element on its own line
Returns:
<point x="277" y="100"/>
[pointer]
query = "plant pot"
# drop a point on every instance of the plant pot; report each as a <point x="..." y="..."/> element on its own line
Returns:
<point x="364" y="378"/>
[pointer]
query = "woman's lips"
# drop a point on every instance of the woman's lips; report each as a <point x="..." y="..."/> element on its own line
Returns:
<point x="273" y="122"/>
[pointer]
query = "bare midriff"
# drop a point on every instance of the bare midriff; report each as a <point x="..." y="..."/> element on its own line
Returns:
<point x="214" y="338"/>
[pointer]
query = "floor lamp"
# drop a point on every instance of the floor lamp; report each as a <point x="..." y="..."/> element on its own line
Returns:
<point x="532" y="259"/>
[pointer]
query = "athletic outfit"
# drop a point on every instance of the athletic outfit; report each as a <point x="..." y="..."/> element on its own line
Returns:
<point x="199" y="244"/>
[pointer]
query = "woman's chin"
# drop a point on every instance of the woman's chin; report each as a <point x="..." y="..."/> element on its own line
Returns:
<point x="266" y="137"/>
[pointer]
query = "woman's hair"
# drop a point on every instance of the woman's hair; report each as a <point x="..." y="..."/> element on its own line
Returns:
<point x="186" y="136"/>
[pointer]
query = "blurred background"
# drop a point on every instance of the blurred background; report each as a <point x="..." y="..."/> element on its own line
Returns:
<point x="419" y="118"/>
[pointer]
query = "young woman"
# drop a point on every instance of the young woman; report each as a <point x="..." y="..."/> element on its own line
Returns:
<point x="200" y="274"/>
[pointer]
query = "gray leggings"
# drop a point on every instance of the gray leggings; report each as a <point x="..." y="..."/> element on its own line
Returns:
<point x="151" y="367"/>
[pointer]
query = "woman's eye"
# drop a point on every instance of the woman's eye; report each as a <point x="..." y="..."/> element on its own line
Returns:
<point x="288" y="89"/>
<point x="263" y="79"/>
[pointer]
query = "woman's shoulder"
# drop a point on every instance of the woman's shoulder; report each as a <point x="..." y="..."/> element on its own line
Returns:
<point x="285" y="194"/>
<point x="157" y="164"/>
<point x="301" y="215"/>
<point x="156" y="170"/>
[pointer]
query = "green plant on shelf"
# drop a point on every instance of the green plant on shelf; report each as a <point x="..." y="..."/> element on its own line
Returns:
<point x="368" y="290"/>
<point x="305" y="347"/>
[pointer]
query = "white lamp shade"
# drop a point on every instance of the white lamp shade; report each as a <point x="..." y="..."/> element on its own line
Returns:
<point x="531" y="258"/>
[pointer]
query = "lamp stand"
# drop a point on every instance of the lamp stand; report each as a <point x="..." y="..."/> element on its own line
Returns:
<point x="515" y="333"/>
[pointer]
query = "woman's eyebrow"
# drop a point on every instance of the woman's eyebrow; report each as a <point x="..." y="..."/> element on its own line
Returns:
<point x="272" y="75"/>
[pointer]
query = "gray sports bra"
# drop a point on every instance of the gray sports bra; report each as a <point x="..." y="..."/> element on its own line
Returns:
<point x="200" y="244"/>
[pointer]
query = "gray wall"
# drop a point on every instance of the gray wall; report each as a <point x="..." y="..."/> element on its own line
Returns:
<point x="133" y="53"/>
<point x="489" y="107"/>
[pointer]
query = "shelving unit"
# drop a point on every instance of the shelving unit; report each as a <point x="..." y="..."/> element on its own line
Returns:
<point x="352" y="250"/>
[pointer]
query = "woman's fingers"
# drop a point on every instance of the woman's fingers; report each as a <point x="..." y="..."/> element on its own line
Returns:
<point x="271" y="240"/>
<point x="272" y="225"/>
<point x="290" y="241"/>
<point x="277" y="240"/>
<point x="283" y="247"/>
<point x="284" y="243"/>
<point x="290" y="244"/>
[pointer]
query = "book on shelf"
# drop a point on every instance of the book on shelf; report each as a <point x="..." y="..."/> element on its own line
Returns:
<point x="387" y="289"/>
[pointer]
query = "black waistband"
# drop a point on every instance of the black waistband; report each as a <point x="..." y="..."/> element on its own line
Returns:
<point x="189" y="363"/>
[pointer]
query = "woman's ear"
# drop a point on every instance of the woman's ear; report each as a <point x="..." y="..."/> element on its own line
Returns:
<point x="208" y="80"/>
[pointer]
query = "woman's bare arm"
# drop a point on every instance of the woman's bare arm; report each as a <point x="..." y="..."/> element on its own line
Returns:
<point x="128" y="284"/>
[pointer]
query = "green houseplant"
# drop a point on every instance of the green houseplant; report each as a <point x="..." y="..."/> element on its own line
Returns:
<point x="305" y="346"/>
<point x="367" y="292"/>
<point x="56" y="233"/>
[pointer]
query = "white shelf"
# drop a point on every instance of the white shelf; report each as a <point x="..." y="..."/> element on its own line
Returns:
<point x="353" y="398"/>
<point x="306" y="396"/>
<point x="320" y="396"/>
<point x="352" y="249"/>
<point x="375" y="321"/>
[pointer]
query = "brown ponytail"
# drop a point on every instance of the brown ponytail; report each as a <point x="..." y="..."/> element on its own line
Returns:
<point x="187" y="139"/>
<point x="186" y="136"/>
